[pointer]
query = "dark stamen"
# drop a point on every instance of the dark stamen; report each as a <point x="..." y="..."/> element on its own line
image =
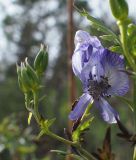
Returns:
<point x="99" y="89"/>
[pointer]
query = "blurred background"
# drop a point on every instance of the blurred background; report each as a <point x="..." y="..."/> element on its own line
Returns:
<point x="24" y="25"/>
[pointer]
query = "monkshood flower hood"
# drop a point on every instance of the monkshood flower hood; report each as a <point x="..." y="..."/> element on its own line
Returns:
<point x="101" y="73"/>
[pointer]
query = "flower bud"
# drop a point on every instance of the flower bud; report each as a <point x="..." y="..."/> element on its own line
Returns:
<point x="41" y="61"/>
<point x="34" y="81"/>
<point x="22" y="87"/>
<point x="119" y="9"/>
<point x="132" y="38"/>
<point x="131" y="30"/>
<point x="28" y="77"/>
<point x="25" y="79"/>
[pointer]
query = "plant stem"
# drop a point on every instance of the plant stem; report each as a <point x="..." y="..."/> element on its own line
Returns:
<point x="134" y="155"/>
<point x="74" y="144"/>
<point x="36" y="112"/>
<point x="85" y="153"/>
<point x="124" y="40"/>
<point x="61" y="139"/>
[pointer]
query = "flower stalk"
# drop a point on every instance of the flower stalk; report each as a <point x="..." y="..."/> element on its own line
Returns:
<point x="74" y="144"/>
<point x="54" y="136"/>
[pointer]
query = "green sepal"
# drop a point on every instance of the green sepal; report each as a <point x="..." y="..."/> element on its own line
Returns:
<point x="76" y="135"/>
<point x="98" y="25"/>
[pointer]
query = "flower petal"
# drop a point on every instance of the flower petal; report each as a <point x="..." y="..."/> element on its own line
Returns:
<point x="80" y="59"/>
<point x="107" y="112"/>
<point x="113" y="65"/>
<point x="80" y="107"/>
<point x="85" y="47"/>
<point x="93" y="70"/>
<point x="82" y="37"/>
<point x="77" y="63"/>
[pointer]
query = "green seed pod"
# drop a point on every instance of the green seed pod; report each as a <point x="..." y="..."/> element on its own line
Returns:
<point x="119" y="9"/>
<point x="41" y="60"/>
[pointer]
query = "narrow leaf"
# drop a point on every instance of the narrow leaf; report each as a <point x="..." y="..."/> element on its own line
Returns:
<point x="99" y="25"/>
<point x="76" y="157"/>
<point x="109" y="38"/>
<point x="76" y="135"/>
<point x="29" y="118"/>
<point x="39" y="135"/>
<point x="116" y="49"/>
<point x="127" y="101"/>
<point x="46" y="124"/>
<point x="50" y="122"/>
<point x="59" y="152"/>
<point x="134" y="155"/>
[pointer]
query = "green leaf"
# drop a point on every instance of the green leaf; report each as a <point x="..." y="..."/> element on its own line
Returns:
<point x="108" y="38"/>
<point x="76" y="135"/>
<point x="46" y="124"/>
<point x="29" y="118"/>
<point x="42" y="98"/>
<point x="40" y="134"/>
<point x="116" y="49"/>
<point x="127" y="101"/>
<point x="95" y="23"/>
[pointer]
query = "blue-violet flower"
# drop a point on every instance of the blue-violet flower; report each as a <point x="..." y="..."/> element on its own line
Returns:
<point x="101" y="73"/>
